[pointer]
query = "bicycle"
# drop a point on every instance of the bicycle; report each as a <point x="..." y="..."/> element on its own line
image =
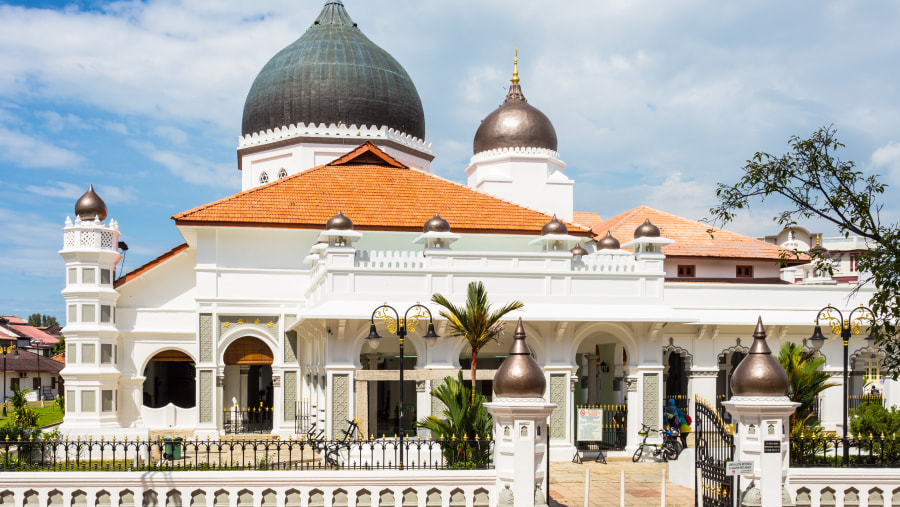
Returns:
<point x="670" y="448"/>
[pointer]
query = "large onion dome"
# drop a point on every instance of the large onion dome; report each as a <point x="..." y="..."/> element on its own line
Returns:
<point x="608" y="242"/>
<point x="339" y="222"/>
<point x="436" y="224"/>
<point x="334" y="74"/>
<point x="90" y="206"/>
<point x="515" y="124"/>
<point x="759" y="374"/>
<point x="554" y="226"/>
<point x="646" y="230"/>
<point x="519" y="375"/>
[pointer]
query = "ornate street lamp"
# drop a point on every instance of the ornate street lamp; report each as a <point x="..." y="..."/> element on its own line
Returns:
<point x="845" y="328"/>
<point x="400" y="327"/>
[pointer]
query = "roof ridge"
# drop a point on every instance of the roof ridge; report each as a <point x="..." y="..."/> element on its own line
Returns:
<point x="134" y="273"/>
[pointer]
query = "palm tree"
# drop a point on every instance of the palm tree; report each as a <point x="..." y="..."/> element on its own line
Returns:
<point x="475" y="322"/>
<point x="807" y="380"/>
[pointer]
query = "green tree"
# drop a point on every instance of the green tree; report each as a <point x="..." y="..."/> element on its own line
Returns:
<point x="816" y="184"/>
<point x="38" y="320"/>
<point x="466" y="421"/>
<point x="475" y="322"/>
<point x="807" y="380"/>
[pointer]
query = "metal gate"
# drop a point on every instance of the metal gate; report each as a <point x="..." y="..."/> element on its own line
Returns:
<point x="715" y="446"/>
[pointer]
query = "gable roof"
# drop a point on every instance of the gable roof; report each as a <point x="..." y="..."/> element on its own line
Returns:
<point x="20" y="329"/>
<point x="377" y="193"/>
<point x="131" y="275"/>
<point x="692" y="239"/>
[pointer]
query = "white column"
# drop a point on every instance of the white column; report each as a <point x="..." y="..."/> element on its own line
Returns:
<point x="891" y="393"/>
<point x="762" y="425"/>
<point x="701" y="383"/>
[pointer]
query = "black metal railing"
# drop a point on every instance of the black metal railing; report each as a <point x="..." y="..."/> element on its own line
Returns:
<point x="714" y="441"/>
<point x="175" y="453"/>
<point x="881" y="451"/>
<point x="303" y="420"/>
<point x="244" y="420"/>
<point x="857" y="400"/>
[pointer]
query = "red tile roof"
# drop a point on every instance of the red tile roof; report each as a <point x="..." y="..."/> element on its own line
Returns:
<point x="586" y="218"/>
<point x="23" y="330"/>
<point x="377" y="193"/>
<point x="692" y="239"/>
<point x="150" y="265"/>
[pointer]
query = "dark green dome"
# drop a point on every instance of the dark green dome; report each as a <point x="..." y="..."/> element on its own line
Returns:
<point x="334" y="74"/>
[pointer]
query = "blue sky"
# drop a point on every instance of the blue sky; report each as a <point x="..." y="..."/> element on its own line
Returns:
<point x="653" y="102"/>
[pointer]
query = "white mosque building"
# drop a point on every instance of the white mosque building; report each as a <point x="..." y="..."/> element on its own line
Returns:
<point x="267" y="303"/>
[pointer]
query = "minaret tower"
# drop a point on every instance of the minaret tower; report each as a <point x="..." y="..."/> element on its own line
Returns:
<point x="90" y="250"/>
<point x="515" y="158"/>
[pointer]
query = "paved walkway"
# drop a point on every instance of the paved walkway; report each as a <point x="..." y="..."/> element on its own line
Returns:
<point x="643" y="484"/>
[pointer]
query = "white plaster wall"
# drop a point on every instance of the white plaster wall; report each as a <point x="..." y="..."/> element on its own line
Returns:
<point x="721" y="268"/>
<point x="534" y="182"/>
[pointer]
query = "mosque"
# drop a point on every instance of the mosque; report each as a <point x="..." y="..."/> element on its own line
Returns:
<point x="258" y="321"/>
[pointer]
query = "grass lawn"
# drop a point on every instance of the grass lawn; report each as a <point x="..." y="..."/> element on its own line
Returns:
<point x="49" y="414"/>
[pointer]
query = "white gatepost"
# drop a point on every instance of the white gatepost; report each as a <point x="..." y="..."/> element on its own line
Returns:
<point x="761" y="412"/>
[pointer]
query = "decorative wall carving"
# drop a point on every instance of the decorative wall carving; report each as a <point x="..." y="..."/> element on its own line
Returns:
<point x="266" y="324"/>
<point x="206" y="396"/>
<point x="340" y="402"/>
<point x="206" y="338"/>
<point x="290" y="347"/>
<point x="651" y="399"/>
<point x="558" y="394"/>
<point x="290" y="395"/>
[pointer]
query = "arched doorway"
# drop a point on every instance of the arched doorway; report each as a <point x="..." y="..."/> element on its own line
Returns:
<point x="677" y="369"/>
<point x="170" y="377"/>
<point x="729" y="359"/>
<point x="248" y="391"/>
<point x="866" y="377"/>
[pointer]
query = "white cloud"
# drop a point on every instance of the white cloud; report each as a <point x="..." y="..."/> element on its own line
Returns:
<point x="27" y="151"/>
<point x="30" y="244"/>
<point x="192" y="168"/>
<point x="887" y="159"/>
<point x="57" y="122"/>
<point x="175" y="135"/>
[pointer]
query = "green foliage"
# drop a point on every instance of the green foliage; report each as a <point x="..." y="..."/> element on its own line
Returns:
<point x="465" y="419"/>
<point x="23" y="417"/>
<point x="874" y="419"/>
<point x="475" y="322"/>
<point x="816" y="184"/>
<point x="807" y="381"/>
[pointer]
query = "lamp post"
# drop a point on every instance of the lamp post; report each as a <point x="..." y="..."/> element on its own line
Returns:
<point x="845" y="328"/>
<point x="40" y="380"/>
<point x="400" y="327"/>
<point x="6" y="349"/>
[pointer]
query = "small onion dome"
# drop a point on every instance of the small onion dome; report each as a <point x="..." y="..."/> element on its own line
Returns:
<point x="608" y="242"/>
<point x="436" y="224"/>
<point x="646" y="230"/>
<point x="759" y="374"/>
<point x="578" y="250"/>
<point x="554" y="226"/>
<point x="519" y="375"/>
<point x="339" y="222"/>
<point x="90" y="205"/>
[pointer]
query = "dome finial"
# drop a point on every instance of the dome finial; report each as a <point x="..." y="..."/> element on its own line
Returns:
<point x="515" y="78"/>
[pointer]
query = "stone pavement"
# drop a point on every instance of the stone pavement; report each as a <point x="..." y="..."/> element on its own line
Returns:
<point x="643" y="482"/>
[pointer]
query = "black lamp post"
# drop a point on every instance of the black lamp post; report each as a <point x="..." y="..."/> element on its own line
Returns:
<point x="844" y="328"/>
<point x="40" y="381"/>
<point x="6" y="349"/>
<point x="400" y="327"/>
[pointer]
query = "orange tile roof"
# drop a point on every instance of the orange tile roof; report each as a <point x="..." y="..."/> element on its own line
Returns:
<point x="586" y="218"/>
<point x="150" y="265"/>
<point x="377" y="193"/>
<point x="692" y="239"/>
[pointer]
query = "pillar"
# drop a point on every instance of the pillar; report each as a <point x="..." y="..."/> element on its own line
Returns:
<point x="701" y="383"/>
<point x="761" y="436"/>
<point x="520" y="434"/>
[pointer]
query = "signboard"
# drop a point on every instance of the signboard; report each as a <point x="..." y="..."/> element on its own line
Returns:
<point x="590" y="425"/>
<point x="772" y="446"/>
<point x="738" y="468"/>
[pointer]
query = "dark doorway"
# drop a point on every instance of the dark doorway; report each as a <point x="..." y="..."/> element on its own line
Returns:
<point x="170" y="378"/>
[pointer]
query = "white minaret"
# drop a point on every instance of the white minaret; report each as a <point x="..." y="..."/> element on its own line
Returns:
<point x="91" y="376"/>
<point x="515" y="157"/>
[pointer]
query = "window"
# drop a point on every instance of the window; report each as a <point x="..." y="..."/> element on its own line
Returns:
<point x="105" y="313"/>
<point x="106" y="354"/>
<point x="70" y="401"/>
<point x="686" y="271"/>
<point x="71" y="313"/>
<point x="73" y="275"/>
<point x="873" y="369"/>
<point x="88" y="313"/>
<point x="89" y="275"/>
<point x="14" y="383"/>
<point x="263" y="178"/>
<point x="88" y="401"/>
<point x="72" y="356"/>
<point x="105" y="276"/>
<point x="87" y="353"/>
<point x="106" y="402"/>
<point x="744" y="272"/>
<point x="282" y="173"/>
<point x="36" y="383"/>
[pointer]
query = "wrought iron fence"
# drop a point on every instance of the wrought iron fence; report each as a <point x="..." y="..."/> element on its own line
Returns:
<point x="303" y="420"/>
<point x="242" y="454"/>
<point x="865" y="451"/>
<point x="857" y="400"/>
<point x="714" y="441"/>
<point x="238" y="420"/>
<point x="615" y="428"/>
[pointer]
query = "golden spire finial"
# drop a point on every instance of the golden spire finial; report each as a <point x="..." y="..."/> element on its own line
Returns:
<point x="515" y="78"/>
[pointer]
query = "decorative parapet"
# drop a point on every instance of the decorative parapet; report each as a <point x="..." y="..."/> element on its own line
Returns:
<point x="516" y="151"/>
<point x="90" y="234"/>
<point x="334" y="131"/>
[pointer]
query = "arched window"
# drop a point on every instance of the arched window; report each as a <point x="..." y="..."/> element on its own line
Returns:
<point x="263" y="178"/>
<point x="282" y="173"/>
